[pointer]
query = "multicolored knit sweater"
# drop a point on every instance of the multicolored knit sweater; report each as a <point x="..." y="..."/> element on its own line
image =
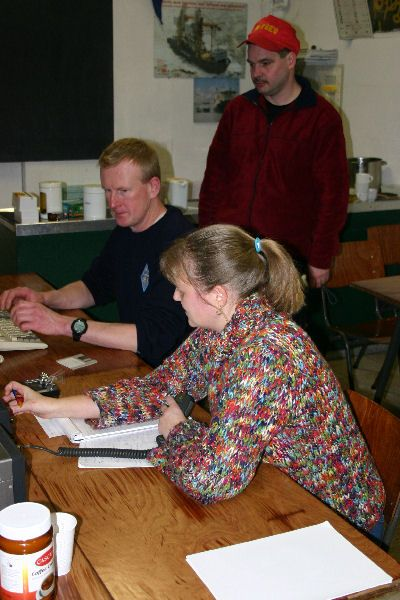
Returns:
<point x="272" y="398"/>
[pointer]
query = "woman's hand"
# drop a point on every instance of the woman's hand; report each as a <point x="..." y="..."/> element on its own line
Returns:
<point x="21" y="399"/>
<point x="171" y="416"/>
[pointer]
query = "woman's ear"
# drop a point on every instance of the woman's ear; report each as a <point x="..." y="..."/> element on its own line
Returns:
<point x="221" y="295"/>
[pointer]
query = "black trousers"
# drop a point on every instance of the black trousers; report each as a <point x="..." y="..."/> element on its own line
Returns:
<point x="310" y="316"/>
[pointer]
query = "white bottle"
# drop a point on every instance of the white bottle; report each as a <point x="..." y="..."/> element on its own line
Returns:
<point x="50" y="199"/>
<point x="94" y="202"/>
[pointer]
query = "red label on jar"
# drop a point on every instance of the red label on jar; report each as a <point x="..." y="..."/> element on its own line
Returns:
<point x="45" y="558"/>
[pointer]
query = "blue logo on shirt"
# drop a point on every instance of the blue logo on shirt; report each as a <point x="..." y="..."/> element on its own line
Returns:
<point x="145" y="277"/>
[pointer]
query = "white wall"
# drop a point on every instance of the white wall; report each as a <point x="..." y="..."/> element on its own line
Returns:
<point x="161" y="110"/>
<point x="371" y="80"/>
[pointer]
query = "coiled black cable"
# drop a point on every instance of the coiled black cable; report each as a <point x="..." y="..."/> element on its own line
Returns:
<point x="95" y="452"/>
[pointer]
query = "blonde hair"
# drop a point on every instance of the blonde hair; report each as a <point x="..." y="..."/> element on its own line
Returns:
<point x="134" y="150"/>
<point x="226" y="255"/>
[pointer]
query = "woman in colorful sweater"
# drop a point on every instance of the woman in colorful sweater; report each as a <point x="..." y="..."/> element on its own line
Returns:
<point x="272" y="397"/>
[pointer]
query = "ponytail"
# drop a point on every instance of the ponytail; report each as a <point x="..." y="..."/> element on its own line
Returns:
<point x="227" y="255"/>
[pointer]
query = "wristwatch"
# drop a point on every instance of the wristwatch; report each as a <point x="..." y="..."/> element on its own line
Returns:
<point x="78" y="328"/>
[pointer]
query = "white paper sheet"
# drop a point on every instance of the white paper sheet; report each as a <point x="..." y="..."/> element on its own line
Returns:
<point x="313" y="563"/>
<point x="55" y="427"/>
<point x="141" y="440"/>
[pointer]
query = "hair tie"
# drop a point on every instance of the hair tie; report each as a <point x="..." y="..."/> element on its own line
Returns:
<point x="259" y="249"/>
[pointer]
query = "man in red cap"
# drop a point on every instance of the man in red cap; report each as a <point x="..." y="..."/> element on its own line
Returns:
<point x="277" y="164"/>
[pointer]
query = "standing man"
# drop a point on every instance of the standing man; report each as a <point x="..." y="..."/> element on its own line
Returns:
<point x="277" y="164"/>
<point x="127" y="270"/>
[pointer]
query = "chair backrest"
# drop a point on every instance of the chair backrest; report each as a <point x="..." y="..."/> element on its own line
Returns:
<point x="356" y="261"/>
<point x="388" y="238"/>
<point x="381" y="430"/>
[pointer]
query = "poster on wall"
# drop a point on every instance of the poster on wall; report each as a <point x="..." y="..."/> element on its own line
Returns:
<point x="210" y="96"/>
<point x="363" y="18"/>
<point x="200" y="39"/>
<point x="327" y="81"/>
<point x="353" y="19"/>
<point x="385" y="15"/>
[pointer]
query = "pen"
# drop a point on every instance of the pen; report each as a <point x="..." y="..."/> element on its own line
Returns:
<point x="18" y="397"/>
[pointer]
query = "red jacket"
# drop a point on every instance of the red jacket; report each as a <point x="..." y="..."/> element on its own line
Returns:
<point x="287" y="180"/>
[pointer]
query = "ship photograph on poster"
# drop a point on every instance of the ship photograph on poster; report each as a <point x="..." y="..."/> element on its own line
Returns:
<point x="200" y="39"/>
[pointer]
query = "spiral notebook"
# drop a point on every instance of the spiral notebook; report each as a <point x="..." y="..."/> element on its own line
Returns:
<point x="78" y="430"/>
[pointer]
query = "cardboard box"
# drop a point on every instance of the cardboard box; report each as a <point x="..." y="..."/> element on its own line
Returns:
<point x="24" y="201"/>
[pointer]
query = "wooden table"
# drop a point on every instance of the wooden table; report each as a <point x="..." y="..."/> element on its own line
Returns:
<point x="135" y="528"/>
<point x="388" y="290"/>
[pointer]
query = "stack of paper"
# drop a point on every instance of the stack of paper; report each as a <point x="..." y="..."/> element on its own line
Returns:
<point x="317" y="56"/>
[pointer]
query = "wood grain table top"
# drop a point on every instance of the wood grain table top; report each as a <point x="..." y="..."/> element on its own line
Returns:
<point x="135" y="528"/>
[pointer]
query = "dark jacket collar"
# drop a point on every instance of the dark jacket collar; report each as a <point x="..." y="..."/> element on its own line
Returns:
<point x="305" y="99"/>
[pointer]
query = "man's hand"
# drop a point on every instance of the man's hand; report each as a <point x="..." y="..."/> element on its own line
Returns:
<point x="14" y="295"/>
<point x="317" y="277"/>
<point x="36" y="317"/>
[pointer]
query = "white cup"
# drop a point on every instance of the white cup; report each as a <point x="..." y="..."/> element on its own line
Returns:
<point x="178" y="191"/>
<point x="64" y="532"/>
<point x="362" y="185"/>
<point x="372" y="194"/>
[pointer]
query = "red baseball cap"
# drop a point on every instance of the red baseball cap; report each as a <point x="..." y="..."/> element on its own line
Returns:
<point x="273" y="34"/>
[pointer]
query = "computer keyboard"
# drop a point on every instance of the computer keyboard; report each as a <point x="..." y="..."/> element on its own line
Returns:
<point x="12" y="338"/>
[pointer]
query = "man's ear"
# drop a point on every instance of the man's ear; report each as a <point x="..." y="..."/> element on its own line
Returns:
<point x="155" y="185"/>
<point x="291" y="58"/>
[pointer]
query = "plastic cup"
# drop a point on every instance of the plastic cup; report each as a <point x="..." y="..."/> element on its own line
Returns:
<point x="64" y="532"/>
<point x="372" y="194"/>
<point x="362" y="196"/>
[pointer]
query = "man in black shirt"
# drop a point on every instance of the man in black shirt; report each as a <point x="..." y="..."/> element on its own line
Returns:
<point x="127" y="270"/>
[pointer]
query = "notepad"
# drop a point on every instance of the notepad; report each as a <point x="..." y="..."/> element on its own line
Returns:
<point x="313" y="563"/>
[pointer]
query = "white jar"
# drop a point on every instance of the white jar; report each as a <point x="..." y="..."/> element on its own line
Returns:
<point x="50" y="198"/>
<point x="94" y="202"/>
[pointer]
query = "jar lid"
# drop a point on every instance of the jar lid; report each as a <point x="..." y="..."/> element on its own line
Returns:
<point x="24" y="521"/>
<point x="50" y="184"/>
<point x="93" y="189"/>
<point x="177" y="180"/>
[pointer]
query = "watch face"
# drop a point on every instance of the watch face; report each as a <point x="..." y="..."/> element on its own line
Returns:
<point x="79" y="326"/>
